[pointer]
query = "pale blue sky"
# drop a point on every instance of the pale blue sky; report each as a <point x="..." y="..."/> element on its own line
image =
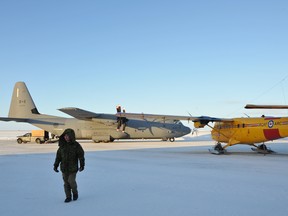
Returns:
<point x="172" y="57"/>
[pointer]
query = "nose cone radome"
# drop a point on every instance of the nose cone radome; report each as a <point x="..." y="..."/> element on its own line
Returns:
<point x="186" y="130"/>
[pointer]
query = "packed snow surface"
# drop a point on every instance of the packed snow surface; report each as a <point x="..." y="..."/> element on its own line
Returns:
<point x="158" y="178"/>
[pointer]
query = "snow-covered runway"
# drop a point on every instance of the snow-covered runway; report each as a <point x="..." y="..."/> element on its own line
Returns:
<point x="184" y="180"/>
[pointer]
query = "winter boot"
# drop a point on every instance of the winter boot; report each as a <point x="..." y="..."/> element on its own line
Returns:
<point x="75" y="196"/>
<point x="68" y="199"/>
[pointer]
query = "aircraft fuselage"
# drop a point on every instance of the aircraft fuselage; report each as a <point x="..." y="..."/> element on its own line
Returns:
<point x="105" y="129"/>
<point x="250" y="130"/>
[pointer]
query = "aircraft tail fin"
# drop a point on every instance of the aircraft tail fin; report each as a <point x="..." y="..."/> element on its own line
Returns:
<point x="22" y="104"/>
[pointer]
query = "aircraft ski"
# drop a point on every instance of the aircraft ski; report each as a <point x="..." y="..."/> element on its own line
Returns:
<point x="217" y="149"/>
<point x="262" y="149"/>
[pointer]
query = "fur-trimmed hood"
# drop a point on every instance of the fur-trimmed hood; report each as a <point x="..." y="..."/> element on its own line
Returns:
<point x="70" y="132"/>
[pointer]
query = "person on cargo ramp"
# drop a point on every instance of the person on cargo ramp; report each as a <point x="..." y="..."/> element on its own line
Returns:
<point x="69" y="155"/>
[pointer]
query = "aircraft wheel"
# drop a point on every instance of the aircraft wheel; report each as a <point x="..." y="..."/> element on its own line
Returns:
<point x="172" y="139"/>
<point x="19" y="141"/>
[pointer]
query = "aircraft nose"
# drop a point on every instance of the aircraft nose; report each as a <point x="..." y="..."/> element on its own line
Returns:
<point x="186" y="130"/>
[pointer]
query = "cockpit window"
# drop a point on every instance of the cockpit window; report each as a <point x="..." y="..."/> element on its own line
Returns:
<point x="177" y="122"/>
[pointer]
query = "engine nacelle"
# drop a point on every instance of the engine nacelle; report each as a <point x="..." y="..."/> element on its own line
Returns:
<point x="199" y="124"/>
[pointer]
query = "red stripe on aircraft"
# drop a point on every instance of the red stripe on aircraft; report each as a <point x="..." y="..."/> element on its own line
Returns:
<point x="272" y="118"/>
<point x="271" y="134"/>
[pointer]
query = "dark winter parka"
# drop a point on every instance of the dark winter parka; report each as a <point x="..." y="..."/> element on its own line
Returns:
<point x="69" y="153"/>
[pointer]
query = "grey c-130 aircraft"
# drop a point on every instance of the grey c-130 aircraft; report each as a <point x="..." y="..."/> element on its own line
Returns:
<point x="98" y="127"/>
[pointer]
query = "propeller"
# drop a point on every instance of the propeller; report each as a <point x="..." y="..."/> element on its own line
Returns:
<point x="195" y="130"/>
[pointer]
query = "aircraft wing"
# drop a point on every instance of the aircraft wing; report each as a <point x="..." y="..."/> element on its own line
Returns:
<point x="254" y="106"/>
<point x="106" y="119"/>
<point x="79" y="113"/>
<point x="153" y="116"/>
<point x="212" y="119"/>
<point x="203" y="119"/>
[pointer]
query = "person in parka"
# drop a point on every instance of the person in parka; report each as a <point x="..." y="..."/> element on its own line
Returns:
<point x="69" y="154"/>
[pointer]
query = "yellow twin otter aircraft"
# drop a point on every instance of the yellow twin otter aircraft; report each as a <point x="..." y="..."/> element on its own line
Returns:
<point x="248" y="131"/>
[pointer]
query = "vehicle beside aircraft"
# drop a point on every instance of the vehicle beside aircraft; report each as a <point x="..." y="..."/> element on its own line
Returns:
<point x="99" y="127"/>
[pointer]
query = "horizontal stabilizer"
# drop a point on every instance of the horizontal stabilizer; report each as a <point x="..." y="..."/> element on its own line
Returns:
<point x="253" y="106"/>
<point x="44" y="121"/>
<point x="14" y="119"/>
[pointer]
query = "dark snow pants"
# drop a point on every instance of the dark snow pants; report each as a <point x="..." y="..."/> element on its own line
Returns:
<point x="70" y="183"/>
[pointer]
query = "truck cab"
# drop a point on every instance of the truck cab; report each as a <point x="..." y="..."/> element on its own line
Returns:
<point x="38" y="136"/>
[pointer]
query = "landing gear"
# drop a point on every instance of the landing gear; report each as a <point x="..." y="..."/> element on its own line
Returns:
<point x="172" y="139"/>
<point x="217" y="149"/>
<point x="103" y="139"/>
<point x="262" y="149"/>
